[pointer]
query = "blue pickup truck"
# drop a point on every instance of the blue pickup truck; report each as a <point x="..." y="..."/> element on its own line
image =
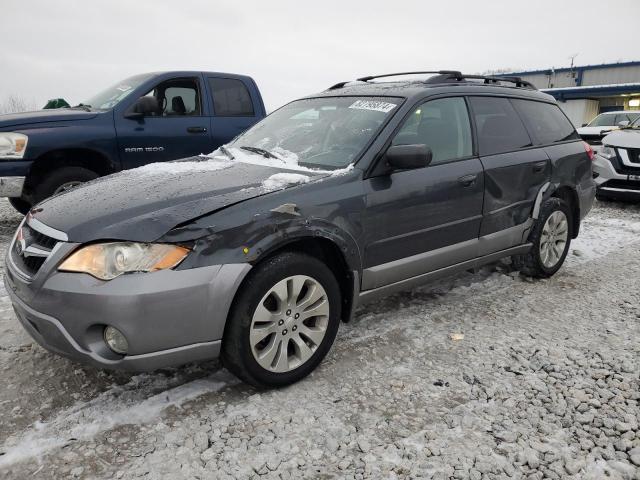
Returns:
<point x="146" y="118"/>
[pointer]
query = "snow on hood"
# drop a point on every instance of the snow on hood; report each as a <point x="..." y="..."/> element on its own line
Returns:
<point x="279" y="181"/>
<point x="179" y="167"/>
<point x="628" y="138"/>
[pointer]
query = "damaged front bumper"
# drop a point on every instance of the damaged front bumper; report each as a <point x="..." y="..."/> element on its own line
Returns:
<point x="169" y="317"/>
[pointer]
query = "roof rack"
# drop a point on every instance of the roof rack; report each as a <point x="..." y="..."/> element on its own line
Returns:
<point x="444" y="76"/>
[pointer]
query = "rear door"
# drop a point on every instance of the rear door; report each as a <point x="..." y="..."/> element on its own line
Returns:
<point x="515" y="170"/>
<point x="234" y="108"/>
<point x="180" y="128"/>
<point x="420" y="220"/>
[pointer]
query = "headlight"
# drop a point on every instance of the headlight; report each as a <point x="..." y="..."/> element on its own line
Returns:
<point x="607" y="152"/>
<point x="12" y="145"/>
<point x="109" y="260"/>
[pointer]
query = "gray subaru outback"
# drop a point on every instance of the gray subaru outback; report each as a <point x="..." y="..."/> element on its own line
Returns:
<point x="257" y="252"/>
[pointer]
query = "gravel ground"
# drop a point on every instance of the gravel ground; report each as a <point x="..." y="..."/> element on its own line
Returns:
<point x="484" y="375"/>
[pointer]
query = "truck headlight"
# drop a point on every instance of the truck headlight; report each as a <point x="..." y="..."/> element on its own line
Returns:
<point x="12" y="145"/>
<point x="607" y="152"/>
<point x="107" y="261"/>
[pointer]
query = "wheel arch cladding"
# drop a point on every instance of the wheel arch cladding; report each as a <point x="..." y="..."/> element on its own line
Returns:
<point x="570" y="197"/>
<point x="70" y="157"/>
<point x="328" y="252"/>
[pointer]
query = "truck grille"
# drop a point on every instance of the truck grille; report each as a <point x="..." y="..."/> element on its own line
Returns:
<point x="30" y="250"/>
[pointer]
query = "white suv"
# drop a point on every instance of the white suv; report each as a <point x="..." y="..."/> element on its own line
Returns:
<point x="616" y="166"/>
<point x="604" y="123"/>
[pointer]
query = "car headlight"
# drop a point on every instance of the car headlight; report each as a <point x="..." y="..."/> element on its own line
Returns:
<point x="106" y="261"/>
<point x="13" y="145"/>
<point x="607" y="152"/>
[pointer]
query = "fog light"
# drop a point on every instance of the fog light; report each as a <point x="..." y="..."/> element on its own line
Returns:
<point x="116" y="341"/>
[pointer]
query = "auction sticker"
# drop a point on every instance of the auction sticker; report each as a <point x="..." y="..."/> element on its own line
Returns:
<point x="374" y="105"/>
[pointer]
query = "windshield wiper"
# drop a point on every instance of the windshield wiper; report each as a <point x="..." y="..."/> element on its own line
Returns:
<point x="224" y="150"/>
<point x="260" y="151"/>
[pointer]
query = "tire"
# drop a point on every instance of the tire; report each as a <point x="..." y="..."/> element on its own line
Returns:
<point x="256" y="300"/>
<point x="20" y="204"/>
<point x="55" y="180"/>
<point x="536" y="263"/>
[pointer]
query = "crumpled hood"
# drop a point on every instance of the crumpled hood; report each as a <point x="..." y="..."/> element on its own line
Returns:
<point x="43" y="116"/>
<point x="594" y="130"/>
<point x="629" y="138"/>
<point x="143" y="204"/>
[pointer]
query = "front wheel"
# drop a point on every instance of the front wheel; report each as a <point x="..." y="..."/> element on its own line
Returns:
<point x="61" y="180"/>
<point x="551" y="238"/>
<point x="284" y="320"/>
<point x="20" y="204"/>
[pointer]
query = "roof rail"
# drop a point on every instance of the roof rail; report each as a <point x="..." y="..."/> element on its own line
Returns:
<point x="444" y="76"/>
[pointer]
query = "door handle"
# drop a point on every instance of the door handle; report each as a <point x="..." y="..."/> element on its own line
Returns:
<point x="196" y="129"/>
<point x="538" y="167"/>
<point x="467" y="180"/>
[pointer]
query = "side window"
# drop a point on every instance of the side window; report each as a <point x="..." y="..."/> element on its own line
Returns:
<point x="499" y="127"/>
<point x="545" y="122"/>
<point x="177" y="97"/>
<point x="442" y="125"/>
<point x="230" y="98"/>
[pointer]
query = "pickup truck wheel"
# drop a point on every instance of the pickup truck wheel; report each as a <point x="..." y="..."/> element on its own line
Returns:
<point x="20" y="204"/>
<point x="284" y="320"/>
<point x="551" y="238"/>
<point x="61" y="180"/>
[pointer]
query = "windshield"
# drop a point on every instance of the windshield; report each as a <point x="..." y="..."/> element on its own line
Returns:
<point x="603" y="120"/>
<point x="111" y="96"/>
<point x="328" y="132"/>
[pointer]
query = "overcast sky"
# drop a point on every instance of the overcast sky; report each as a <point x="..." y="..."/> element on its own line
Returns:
<point x="74" y="48"/>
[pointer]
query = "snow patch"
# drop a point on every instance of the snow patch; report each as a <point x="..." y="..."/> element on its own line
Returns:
<point x="117" y="406"/>
<point x="600" y="236"/>
<point x="283" y="180"/>
<point x="180" y="167"/>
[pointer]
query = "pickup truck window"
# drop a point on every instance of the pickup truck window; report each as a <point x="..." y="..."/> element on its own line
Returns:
<point x="230" y="98"/>
<point x="110" y="97"/>
<point x="177" y="97"/>
<point x="326" y="132"/>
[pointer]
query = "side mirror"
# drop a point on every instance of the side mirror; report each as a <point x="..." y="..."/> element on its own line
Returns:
<point x="144" y="107"/>
<point x="623" y="123"/>
<point x="406" y="157"/>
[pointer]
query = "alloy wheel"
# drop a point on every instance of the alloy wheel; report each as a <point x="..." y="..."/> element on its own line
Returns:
<point x="553" y="239"/>
<point x="289" y="323"/>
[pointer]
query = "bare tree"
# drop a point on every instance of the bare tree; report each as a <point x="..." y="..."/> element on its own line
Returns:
<point x="14" y="104"/>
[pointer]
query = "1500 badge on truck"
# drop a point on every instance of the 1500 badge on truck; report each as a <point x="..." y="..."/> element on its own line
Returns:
<point x="146" y="118"/>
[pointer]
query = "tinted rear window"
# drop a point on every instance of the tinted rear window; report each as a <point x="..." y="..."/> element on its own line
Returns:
<point x="230" y="98"/>
<point x="546" y="122"/>
<point x="499" y="127"/>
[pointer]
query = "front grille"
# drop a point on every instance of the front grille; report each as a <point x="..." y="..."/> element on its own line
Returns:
<point x="634" y="155"/>
<point x="30" y="254"/>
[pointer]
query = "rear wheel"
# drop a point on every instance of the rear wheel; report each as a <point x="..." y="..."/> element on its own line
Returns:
<point x="284" y="321"/>
<point x="551" y="238"/>
<point x="60" y="180"/>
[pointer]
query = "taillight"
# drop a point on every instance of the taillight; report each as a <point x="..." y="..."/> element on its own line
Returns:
<point x="589" y="150"/>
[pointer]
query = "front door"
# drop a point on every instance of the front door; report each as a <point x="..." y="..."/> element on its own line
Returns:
<point x="421" y="220"/>
<point x="179" y="129"/>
